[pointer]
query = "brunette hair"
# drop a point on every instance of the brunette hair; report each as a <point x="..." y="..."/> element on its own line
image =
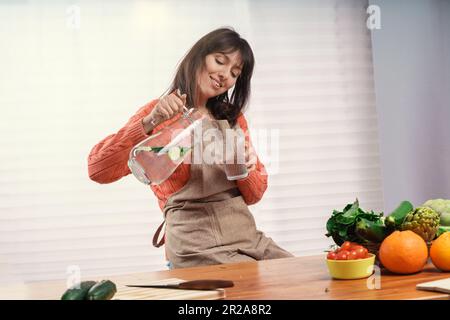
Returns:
<point x="224" y="40"/>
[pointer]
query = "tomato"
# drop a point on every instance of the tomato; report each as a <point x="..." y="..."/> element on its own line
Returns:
<point x="356" y="247"/>
<point x="331" y="255"/>
<point x="346" y="245"/>
<point x="353" y="255"/>
<point x="342" y="255"/>
<point x="366" y="253"/>
<point x="360" y="252"/>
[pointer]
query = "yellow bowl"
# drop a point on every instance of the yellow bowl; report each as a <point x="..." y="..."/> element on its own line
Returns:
<point x="351" y="269"/>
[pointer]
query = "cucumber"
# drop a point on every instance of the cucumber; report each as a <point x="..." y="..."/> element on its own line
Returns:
<point x="441" y="230"/>
<point x="78" y="291"/>
<point x="372" y="231"/>
<point x="144" y="148"/>
<point x="104" y="290"/>
<point x="445" y="219"/>
<point x="174" y="153"/>
<point x="396" y="218"/>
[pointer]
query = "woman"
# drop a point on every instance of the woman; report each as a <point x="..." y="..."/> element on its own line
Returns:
<point x="206" y="215"/>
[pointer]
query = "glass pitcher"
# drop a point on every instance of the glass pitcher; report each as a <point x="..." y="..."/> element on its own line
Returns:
<point x="154" y="159"/>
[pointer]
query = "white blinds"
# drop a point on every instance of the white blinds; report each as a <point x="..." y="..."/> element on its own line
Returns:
<point x="314" y="83"/>
<point x="66" y="84"/>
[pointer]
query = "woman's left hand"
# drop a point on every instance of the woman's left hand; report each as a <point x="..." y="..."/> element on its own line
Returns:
<point x="250" y="157"/>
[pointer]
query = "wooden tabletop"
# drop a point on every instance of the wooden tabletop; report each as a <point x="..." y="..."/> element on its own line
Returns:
<point x="290" y="279"/>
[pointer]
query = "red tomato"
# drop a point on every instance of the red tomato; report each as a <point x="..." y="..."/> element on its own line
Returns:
<point x="360" y="252"/>
<point x="352" y="255"/>
<point x="342" y="255"/>
<point x="356" y="247"/>
<point x="366" y="253"/>
<point x="331" y="255"/>
<point x="346" y="245"/>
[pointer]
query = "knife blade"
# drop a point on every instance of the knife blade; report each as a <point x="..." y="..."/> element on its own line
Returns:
<point x="190" y="285"/>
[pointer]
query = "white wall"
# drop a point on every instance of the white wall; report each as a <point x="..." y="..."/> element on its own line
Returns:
<point x="411" y="58"/>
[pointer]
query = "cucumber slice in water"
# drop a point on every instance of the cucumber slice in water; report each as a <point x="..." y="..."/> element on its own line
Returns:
<point x="144" y="148"/>
<point x="174" y="153"/>
<point x="185" y="150"/>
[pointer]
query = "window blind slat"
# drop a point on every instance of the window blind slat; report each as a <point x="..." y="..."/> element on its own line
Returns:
<point x="313" y="82"/>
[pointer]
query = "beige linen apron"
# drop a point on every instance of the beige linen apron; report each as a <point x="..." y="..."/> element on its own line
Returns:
<point x="208" y="221"/>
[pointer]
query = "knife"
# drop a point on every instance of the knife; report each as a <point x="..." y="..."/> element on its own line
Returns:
<point x="190" y="285"/>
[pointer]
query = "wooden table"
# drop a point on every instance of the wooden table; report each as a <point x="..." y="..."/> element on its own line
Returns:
<point x="290" y="279"/>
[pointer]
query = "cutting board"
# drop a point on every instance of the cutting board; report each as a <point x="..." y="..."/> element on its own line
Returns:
<point x="442" y="285"/>
<point x="129" y="293"/>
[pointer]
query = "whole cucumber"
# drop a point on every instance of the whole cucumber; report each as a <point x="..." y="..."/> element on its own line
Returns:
<point x="78" y="291"/>
<point x="104" y="290"/>
<point x="445" y="219"/>
<point x="397" y="216"/>
<point x="441" y="230"/>
<point x="372" y="231"/>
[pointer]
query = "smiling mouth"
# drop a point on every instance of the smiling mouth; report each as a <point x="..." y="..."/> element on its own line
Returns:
<point x="216" y="83"/>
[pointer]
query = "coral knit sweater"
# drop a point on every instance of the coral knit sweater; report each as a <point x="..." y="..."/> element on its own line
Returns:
<point x="107" y="161"/>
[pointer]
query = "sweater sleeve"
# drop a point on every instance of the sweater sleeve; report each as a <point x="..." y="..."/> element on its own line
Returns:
<point x="255" y="184"/>
<point x="108" y="159"/>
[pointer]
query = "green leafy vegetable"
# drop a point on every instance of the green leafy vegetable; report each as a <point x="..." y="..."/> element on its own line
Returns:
<point x="356" y="225"/>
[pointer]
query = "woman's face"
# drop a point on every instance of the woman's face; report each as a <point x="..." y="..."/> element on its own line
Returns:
<point x="219" y="74"/>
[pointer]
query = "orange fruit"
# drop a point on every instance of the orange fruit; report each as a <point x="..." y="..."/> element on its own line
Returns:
<point x="403" y="252"/>
<point x="440" y="252"/>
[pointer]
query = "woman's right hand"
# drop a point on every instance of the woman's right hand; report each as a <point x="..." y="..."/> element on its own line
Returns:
<point x="166" y="108"/>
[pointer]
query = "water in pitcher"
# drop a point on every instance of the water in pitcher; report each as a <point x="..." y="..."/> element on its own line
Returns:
<point x="158" y="163"/>
<point x="154" y="159"/>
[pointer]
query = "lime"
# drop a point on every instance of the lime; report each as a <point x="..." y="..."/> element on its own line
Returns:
<point x="174" y="153"/>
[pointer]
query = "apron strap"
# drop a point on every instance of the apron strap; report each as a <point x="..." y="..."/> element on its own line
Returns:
<point x="159" y="243"/>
